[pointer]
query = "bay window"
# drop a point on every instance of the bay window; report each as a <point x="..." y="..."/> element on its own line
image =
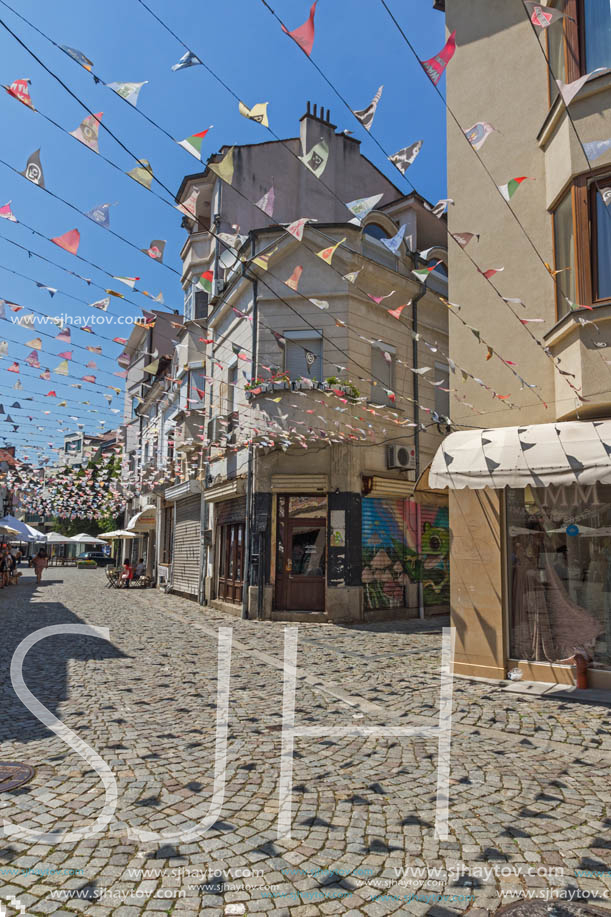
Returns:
<point x="581" y="42"/>
<point x="582" y="242"/>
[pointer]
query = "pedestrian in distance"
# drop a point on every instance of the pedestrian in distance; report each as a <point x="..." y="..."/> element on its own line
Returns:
<point x="3" y="567"/>
<point x="39" y="563"/>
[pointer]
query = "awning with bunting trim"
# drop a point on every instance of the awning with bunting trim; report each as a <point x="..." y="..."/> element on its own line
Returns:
<point x="576" y="452"/>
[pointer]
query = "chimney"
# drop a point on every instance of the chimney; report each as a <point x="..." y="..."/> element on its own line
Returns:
<point x="315" y="126"/>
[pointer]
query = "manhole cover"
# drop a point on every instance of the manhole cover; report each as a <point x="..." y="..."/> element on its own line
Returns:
<point x="13" y="774"/>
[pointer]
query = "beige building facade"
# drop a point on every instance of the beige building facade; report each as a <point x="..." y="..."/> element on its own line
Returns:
<point x="530" y="586"/>
<point x="306" y="448"/>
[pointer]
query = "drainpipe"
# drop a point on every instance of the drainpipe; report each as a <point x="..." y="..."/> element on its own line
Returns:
<point x="205" y="515"/>
<point x="249" y="483"/>
<point x="416" y="390"/>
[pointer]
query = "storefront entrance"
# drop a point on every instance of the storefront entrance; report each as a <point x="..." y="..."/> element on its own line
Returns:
<point x="301" y="553"/>
<point x="231" y="562"/>
<point x="230" y="549"/>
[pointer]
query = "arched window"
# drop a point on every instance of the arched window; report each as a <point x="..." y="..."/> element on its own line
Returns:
<point x="376" y="231"/>
<point x="440" y="267"/>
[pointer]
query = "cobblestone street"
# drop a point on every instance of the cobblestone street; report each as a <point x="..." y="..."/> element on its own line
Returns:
<point x="529" y="780"/>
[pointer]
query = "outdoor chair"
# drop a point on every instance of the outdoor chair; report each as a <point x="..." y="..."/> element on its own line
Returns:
<point x="113" y="575"/>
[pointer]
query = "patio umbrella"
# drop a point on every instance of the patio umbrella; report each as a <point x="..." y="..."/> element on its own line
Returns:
<point x="24" y="531"/>
<point x="7" y="530"/>
<point x="84" y="538"/>
<point x="56" y="538"/>
<point x="118" y="533"/>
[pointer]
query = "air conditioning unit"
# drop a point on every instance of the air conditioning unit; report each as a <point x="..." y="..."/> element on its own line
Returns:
<point x="400" y="457"/>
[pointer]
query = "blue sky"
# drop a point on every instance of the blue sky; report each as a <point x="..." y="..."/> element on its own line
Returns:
<point x="356" y="45"/>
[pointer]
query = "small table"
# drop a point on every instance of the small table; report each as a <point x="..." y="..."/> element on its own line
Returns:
<point x="113" y="575"/>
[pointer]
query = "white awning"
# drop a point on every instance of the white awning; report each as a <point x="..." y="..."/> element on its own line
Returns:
<point x="539" y="455"/>
<point x="144" y="520"/>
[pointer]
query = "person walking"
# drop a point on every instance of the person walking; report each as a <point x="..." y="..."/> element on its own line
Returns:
<point x="39" y="563"/>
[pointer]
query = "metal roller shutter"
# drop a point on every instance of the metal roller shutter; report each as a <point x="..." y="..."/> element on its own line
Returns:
<point x="230" y="511"/>
<point x="389" y="546"/>
<point x="186" y="557"/>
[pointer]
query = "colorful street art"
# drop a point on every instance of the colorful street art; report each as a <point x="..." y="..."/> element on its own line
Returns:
<point x="403" y="544"/>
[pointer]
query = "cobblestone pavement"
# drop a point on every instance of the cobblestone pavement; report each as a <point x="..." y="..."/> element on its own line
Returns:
<point x="529" y="781"/>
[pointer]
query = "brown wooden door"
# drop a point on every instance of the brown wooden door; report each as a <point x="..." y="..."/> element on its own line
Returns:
<point x="300" y="584"/>
<point x="230" y="539"/>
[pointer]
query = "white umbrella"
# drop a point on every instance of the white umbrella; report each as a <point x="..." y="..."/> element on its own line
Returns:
<point x="56" y="538"/>
<point x="84" y="538"/>
<point x="7" y="530"/>
<point x="118" y="533"/>
<point x="22" y="529"/>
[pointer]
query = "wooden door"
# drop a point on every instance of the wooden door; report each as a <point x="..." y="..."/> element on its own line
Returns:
<point x="301" y="562"/>
<point x="230" y="539"/>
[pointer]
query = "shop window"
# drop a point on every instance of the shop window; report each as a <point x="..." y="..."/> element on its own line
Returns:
<point x="559" y="567"/>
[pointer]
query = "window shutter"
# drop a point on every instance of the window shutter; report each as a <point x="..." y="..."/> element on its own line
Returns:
<point x="201" y="304"/>
<point x="381" y="373"/>
<point x="295" y="362"/>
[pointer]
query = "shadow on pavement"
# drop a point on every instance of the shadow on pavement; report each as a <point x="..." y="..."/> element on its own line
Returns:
<point x="45" y="669"/>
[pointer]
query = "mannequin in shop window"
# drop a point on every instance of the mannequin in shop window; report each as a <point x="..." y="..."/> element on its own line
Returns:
<point x="531" y="632"/>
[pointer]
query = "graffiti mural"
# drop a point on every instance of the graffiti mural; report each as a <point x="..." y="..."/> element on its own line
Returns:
<point x="403" y="544"/>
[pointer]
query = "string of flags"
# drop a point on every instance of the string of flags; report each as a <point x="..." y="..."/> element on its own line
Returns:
<point x="445" y="52"/>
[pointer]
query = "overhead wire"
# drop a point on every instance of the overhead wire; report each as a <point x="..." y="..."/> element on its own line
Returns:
<point x="343" y="203"/>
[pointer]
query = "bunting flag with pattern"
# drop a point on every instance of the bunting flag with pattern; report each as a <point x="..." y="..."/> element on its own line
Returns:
<point x="6" y="213"/>
<point x="142" y="173"/>
<point x="266" y="204"/>
<point x="316" y="160"/>
<point x="78" y="56"/>
<point x="155" y="249"/>
<point x="100" y="215"/>
<point x="364" y="205"/>
<point x="366" y="115"/>
<point x="543" y="16"/>
<point x="257" y="113"/>
<point x="327" y="253"/>
<point x="435" y="66"/>
<point x="20" y="90"/>
<point x="128" y="91"/>
<point x="189" y="59"/>
<point x="479" y="133"/>
<point x="88" y="130"/>
<point x="33" y="170"/>
<point x="403" y="159"/>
